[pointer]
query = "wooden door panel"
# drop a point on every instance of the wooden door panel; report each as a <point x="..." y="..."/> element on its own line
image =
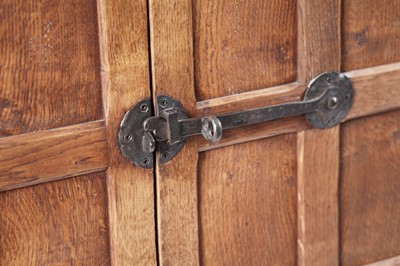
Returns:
<point x="371" y="33"/>
<point x="50" y="65"/>
<point x="62" y="63"/>
<point x="50" y="78"/>
<point x="243" y="45"/>
<point x="369" y="189"/>
<point x="240" y="46"/>
<point x="60" y="223"/>
<point x="180" y="231"/>
<point x="247" y="203"/>
<point x="196" y="49"/>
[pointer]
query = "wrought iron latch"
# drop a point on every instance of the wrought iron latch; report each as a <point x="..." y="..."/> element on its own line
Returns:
<point x="326" y="102"/>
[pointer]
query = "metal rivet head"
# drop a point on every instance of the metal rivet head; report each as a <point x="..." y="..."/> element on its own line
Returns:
<point x="163" y="103"/>
<point x="128" y="137"/>
<point x="164" y="155"/>
<point x="146" y="161"/>
<point x="144" y="108"/>
<point x="332" y="103"/>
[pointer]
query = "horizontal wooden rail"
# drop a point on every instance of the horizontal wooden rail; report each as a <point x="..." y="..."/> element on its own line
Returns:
<point x="34" y="158"/>
<point x="43" y="156"/>
<point x="252" y="99"/>
<point x="376" y="90"/>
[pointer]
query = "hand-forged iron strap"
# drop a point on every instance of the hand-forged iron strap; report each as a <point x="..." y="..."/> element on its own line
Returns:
<point x="326" y="102"/>
<point x="193" y="126"/>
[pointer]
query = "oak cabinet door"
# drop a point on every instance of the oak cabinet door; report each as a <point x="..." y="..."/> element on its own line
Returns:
<point x="69" y="70"/>
<point x="279" y="193"/>
<point x="276" y="193"/>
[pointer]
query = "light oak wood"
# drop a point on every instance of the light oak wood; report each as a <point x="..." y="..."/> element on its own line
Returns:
<point x="369" y="160"/>
<point x="50" y="92"/>
<point x="318" y="178"/>
<point x="370" y="33"/>
<point x="49" y="71"/>
<point x="207" y="208"/>
<point x="368" y="100"/>
<point x="252" y="99"/>
<point x="243" y="45"/>
<point x="43" y="156"/>
<point x="318" y="150"/>
<point x="255" y="132"/>
<point x="247" y="203"/>
<point x="318" y="27"/>
<point x="376" y="91"/>
<point x="125" y="81"/>
<point x="395" y="261"/>
<point x="172" y="72"/>
<point x="56" y="223"/>
<point x="370" y="185"/>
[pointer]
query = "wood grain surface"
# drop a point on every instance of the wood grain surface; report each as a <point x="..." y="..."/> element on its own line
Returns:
<point x="49" y="65"/>
<point x="56" y="223"/>
<point x="318" y="150"/>
<point x="43" y="156"/>
<point x="394" y="261"/>
<point x="371" y="33"/>
<point x="370" y="169"/>
<point x="247" y="203"/>
<point x="376" y="90"/>
<point x="252" y="99"/>
<point x="172" y="74"/>
<point x="318" y="26"/>
<point x="369" y="189"/>
<point x="318" y="182"/>
<point x="125" y="81"/>
<point x="254" y="132"/>
<point x="243" y="45"/>
<point x="368" y="100"/>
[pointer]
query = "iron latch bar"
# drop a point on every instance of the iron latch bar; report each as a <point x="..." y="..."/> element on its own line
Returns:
<point x="326" y="102"/>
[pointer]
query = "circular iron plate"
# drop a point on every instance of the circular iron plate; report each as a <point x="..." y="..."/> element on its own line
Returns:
<point x="337" y="99"/>
<point x="131" y="135"/>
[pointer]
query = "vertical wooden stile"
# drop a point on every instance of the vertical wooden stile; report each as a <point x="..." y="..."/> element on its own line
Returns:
<point x="172" y="74"/>
<point x="318" y="150"/>
<point x="125" y="81"/>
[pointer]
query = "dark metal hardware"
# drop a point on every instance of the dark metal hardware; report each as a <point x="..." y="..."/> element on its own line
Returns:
<point x="326" y="102"/>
